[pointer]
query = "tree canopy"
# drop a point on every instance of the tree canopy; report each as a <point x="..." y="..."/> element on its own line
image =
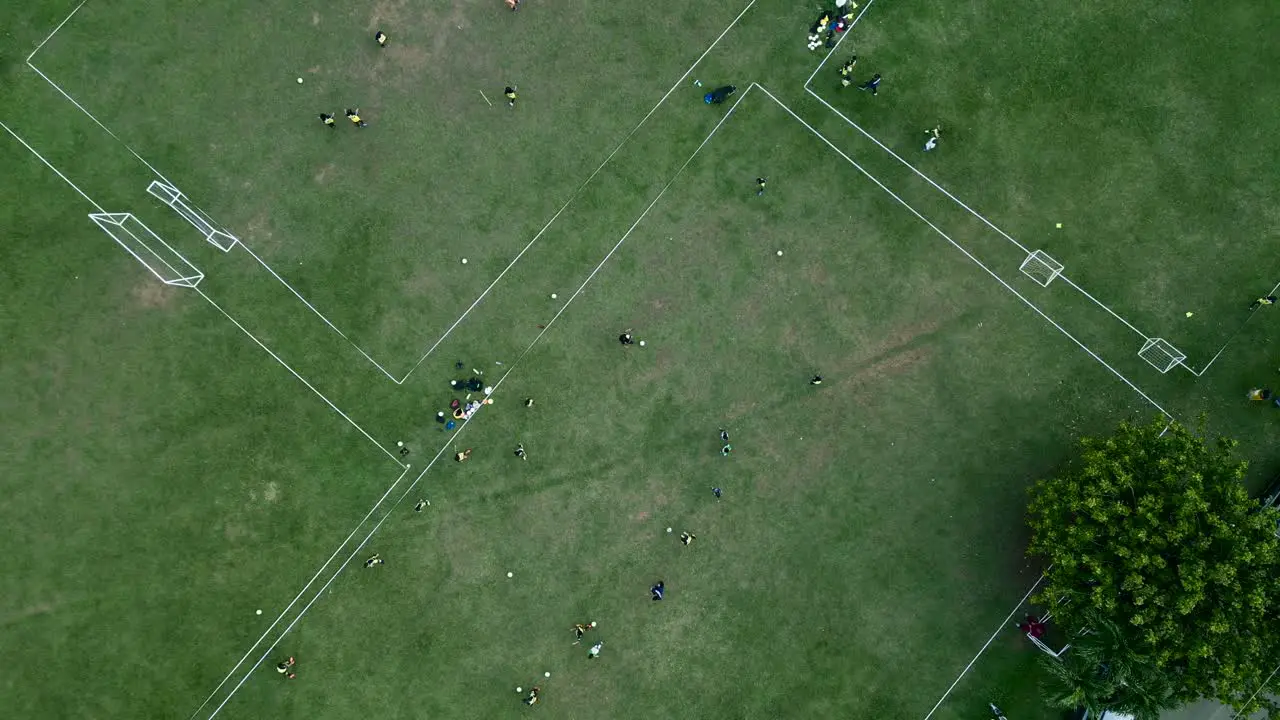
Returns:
<point x="1160" y="564"/>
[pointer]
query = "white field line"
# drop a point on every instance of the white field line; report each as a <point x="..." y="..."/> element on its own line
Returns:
<point x="318" y="313"/>
<point x="99" y="123"/>
<point x="295" y="599"/>
<point x="453" y="438"/>
<point x="1003" y="625"/>
<point x="300" y="378"/>
<point x="674" y="86"/>
<point x="971" y="211"/>
<point x="50" y="165"/>
<point x="967" y="254"/>
<point x="1222" y="349"/>
<point x="1255" y="692"/>
<point x="847" y="32"/>
<point x="55" y="30"/>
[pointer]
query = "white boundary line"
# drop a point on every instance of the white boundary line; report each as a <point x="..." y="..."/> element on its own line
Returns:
<point x="676" y="85"/>
<point x="979" y="216"/>
<point x="295" y="599"/>
<point x="304" y="381"/>
<point x="967" y="254"/>
<point x="1003" y="625"/>
<point x="56" y="171"/>
<point x="452" y="438"/>
<point x="319" y="314"/>
<point x="55" y="30"/>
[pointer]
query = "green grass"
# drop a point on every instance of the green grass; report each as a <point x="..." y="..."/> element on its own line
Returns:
<point x="170" y="477"/>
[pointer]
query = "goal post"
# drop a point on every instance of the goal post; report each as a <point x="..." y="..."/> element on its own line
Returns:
<point x="148" y="248"/>
<point x="1042" y="268"/>
<point x="173" y="197"/>
<point x="1161" y="355"/>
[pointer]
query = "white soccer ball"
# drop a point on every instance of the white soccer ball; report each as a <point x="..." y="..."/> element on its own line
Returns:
<point x="779" y="253"/>
<point x="668" y="529"/>
<point x="546" y="674"/>
<point x="464" y="261"/>
<point x="553" y="296"/>
<point x="511" y="574"/>
<point x="519" y="689"/>
<point x="641" y="343"/>
<point x="299" y="81"/>
<point x="259" y="612"/>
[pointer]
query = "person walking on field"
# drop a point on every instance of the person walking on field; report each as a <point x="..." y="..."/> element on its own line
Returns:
<point x="873" y="84"/>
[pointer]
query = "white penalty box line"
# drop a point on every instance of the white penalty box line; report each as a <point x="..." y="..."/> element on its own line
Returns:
<point x="452" y="439"/>
<point x="966" y="253"/>
<point x="102" y="212"/>
<point x="1029" y="255"/>
<point x="225" y="241"/>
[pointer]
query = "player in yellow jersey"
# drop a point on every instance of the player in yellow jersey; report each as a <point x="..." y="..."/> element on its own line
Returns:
<point x="354" y="117"/>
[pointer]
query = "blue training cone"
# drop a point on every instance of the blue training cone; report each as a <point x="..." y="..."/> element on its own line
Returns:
<point x="707" y="98"/>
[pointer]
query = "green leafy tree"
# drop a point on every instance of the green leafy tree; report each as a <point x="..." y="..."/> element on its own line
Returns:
<point x="1162" y="570"/>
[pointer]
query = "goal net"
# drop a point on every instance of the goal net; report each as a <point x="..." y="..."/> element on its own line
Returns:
<point x="1161" y="355"/>
<point x="173" y="197"/>
<point x="1040" y="267"/>
<point x="148" y="248"/>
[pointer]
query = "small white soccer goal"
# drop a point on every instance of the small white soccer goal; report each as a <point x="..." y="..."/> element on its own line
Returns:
<point x="148" y="248"/>
<point x="1161" y="355"/>
<point x="173" y="197"/>
<point x="1040" y="267"/>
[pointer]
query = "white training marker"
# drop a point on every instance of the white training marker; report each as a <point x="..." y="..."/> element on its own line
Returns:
<point x="259" y="612"/>
<point x="511" y="574"/>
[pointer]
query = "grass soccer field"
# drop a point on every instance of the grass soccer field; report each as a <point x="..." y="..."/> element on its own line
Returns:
<point x="199" y="470"/>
